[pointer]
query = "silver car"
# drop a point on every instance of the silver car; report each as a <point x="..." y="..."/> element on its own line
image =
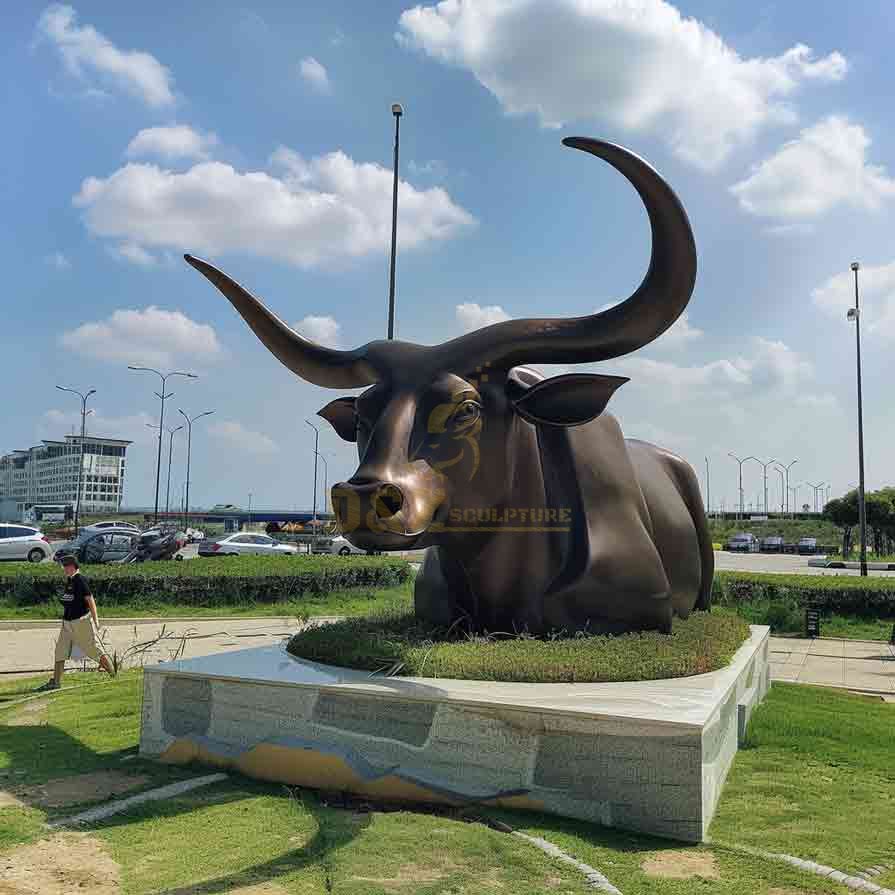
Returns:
<point x="23" y="542"/>
<point x="245" y="543"/>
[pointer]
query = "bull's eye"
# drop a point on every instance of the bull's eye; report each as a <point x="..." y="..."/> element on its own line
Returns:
<point x="466" y="414"/>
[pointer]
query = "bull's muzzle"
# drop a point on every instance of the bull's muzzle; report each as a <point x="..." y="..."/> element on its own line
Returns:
<point x="370" y="513"/>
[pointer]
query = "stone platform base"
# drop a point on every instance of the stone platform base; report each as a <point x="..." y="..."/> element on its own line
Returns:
<point x="649" y="757"/>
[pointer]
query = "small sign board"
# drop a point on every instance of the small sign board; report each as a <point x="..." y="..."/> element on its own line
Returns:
<point x="812" y="622"/>
<point x="892" y="636"/>
<point x="758" y="518"/>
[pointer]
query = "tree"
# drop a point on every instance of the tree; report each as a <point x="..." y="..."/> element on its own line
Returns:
<point x="843" y="513"/>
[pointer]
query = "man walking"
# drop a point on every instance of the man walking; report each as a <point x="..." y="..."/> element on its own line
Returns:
<point x="79" y="625"/>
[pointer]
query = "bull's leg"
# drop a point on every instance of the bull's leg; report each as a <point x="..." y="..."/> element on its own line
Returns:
<point x="434" y="595"/>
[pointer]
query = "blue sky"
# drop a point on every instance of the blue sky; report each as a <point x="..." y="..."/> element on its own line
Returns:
<point x="260" y="138"/>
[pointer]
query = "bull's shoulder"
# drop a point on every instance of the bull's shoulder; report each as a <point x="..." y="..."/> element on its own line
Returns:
<point x="676" y="466"/>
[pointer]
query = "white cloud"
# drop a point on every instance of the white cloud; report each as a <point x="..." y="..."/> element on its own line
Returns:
<point x="315" y="212"/>
<point x="323" y="330"/>
<point x="473" y="316"/>
<point x="58" y="260"/>
<point x="636" y="64"/>
<point x="314" y="73"/>
<point x="133" y="253"/>
<point x="679" y="335"/>
<point x="82" y="47"/>
<point x="151" y="336"/>
<point x="174" y="141"/>
<point x="237" y="436"/>
<point x="824" y="167"/>
<point x="877" y="285"/>
<point x="57" y="423"/>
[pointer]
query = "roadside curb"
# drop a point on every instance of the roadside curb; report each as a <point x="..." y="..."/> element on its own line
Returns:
<point x="15" y="624"/>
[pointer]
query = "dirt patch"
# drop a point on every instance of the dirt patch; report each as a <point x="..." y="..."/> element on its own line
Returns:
<point x="681" y="864"/>
<point x="32" y="714"/>
<point x="8" y="800"/>
<point x="69" y="862"/>
<point x="407" y="875"/>
<point x="257" y="889"/>
<point x="81" y="788"/>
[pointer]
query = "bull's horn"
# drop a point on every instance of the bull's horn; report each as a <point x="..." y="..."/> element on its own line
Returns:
<point x="657" y="303"/>
<point x="313" y="362"/>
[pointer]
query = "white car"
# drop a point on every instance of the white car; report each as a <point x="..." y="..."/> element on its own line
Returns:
<point x="339" y="545"/>
<point x="18" y="542"/>
<point x="245" y="543"/>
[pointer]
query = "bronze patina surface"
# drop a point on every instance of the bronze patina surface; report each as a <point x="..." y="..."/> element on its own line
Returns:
<point x="539" y="513"/>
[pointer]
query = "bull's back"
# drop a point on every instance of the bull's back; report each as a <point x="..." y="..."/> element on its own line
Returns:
<point x="680" y="532"/>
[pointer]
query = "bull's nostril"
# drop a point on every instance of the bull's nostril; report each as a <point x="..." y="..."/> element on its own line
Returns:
<point x="388" y="501"/>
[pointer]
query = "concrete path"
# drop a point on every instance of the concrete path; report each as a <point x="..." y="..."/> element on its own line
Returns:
<point x="28" y="646"/>
<point x="854" y="664"/>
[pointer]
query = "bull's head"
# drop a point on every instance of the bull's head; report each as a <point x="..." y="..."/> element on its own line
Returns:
<point x="432" y="412"/>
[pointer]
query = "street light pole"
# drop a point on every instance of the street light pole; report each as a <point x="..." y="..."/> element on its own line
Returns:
<point x="189" y="446"/>
<point x="787" y="468"/>
<point x="170" y="455"/>
<point x="316" y="455"/>
<point x="764" y="467"/>
<point x="855" y="315"/>
<point x="740" y="462"/>
<point x="397" y="111"/>
<point x="815" y="489"/>
<point x="325" y="483"/>
<point x="83" y="398"/>
<point x="784" y="494"/>
<point x="708" y="489"/>
<point x="163" y="396"/>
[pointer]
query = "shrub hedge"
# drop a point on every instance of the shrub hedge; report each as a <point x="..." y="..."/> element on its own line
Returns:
<point x="843" y="594"/>
<point x="403" y="645"/>
<point x="220" y="581"/>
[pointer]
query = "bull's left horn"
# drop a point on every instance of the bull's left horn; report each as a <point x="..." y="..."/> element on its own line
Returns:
<point x="646" y="314"/>
<point x="315" y="363"/>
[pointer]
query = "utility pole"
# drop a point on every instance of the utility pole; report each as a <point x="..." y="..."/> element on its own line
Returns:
<point x="397" y="111"/>
<point x="83" y="398"/>
<point x="162" y="396"/>
<point x="316" y="455"/>
<point x="855" y="314"/>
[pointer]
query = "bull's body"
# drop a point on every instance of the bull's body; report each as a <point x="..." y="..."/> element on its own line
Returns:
<point x="461" y="447"/>
<point x="635" y="551"/>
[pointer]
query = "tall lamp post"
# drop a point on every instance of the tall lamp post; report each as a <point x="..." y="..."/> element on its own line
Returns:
<point x="397" y="111"/>
<point x="189" y="445"/>
<point x="854" y="314"/>
<point x="325" y="483"/>
<point x="170" y="455"/>
<point x="787" y="467"/>
<point x="740" y="462"/>
<point x="708" y="489"/>
<point x="162" y="396"/>
<point x="83" y="398"/>
<point x="764" y="467"/>
<point x="316" y="455"/>
<point x="815" y="488"/>
<point x="784" y="494"/>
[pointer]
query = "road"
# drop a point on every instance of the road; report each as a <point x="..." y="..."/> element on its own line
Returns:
<point x="782" y="563"/>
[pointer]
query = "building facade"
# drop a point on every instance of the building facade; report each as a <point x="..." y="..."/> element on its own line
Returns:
<point x="48" y="474"/>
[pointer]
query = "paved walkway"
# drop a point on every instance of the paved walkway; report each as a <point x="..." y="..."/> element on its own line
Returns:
<point x="28" y="647"/>
<point x="855" y="664"/>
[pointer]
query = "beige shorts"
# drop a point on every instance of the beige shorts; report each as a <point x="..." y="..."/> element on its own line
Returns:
<point x="81" y="633"/>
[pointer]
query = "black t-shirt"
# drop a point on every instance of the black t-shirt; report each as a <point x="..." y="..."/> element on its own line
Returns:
<point x="73" y="599"/>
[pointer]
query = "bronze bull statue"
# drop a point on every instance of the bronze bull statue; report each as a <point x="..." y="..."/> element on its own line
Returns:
<point x="538" y="513"/>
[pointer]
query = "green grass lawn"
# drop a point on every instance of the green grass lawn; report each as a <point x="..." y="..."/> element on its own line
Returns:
<point x="816" y="780"/>
<point x="352" y="601"/>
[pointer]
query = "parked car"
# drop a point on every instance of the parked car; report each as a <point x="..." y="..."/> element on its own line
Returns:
<point x="807" y="545"/>
<point x="225" y="508"/>
<point x="156" y="544"/>
<point x="340" y="545"/>
<point x="772" y="544"/>
<point x="106" y="545"/>
<point x="102" y="526"/>
<point x="744" y="542"/>
<point x="244" y="543"/>
<point x="18" y="542"/>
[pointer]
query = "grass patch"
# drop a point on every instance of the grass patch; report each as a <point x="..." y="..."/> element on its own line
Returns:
<point x="704" y="642"/>
<point x="815" y="780"/>
<point x="353" y="601"/>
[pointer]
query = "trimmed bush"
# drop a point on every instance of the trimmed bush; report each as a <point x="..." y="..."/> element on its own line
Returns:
<point x="843" y="594"/>
<point x="221" y="581"/>
<point x="401" y="644"/>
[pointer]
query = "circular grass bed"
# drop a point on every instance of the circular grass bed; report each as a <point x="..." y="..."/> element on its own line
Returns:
<point x="399" y="644"/>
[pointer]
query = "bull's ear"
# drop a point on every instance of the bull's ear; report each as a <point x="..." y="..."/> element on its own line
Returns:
<point x="568" y="400"/>
<point x="340" y="415"/>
